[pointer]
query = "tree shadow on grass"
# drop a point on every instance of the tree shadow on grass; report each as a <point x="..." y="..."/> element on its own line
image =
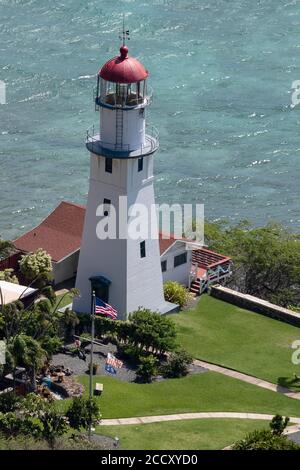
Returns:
<point x="292" y="383"/>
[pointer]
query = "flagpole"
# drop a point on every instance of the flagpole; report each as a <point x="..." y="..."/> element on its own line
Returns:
<point x="91" y="358"/>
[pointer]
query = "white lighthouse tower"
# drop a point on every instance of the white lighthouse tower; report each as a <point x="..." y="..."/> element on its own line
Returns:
<point x="125" y="271"/>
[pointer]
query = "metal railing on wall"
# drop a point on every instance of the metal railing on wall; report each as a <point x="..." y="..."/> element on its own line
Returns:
<point x="96" y="143"/>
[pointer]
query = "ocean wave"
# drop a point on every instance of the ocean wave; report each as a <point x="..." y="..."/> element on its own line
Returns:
<point x="259" y="162"/>
<point x="36" y="97"/>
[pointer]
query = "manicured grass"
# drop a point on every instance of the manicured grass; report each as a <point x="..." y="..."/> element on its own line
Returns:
<point x="209" y="391"/>
<point x="222" y="333"/>
<point x="205" y="434"/>
<point x="67" y="299"/>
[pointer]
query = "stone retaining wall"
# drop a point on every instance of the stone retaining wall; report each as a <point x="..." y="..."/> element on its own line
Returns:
<point x="255" y="304"/>
<point x="68" y="388"/>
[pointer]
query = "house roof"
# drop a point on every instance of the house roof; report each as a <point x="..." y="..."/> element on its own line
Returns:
<point x="60" y="235"/>
<point x="205" y="258"/>
<point x="166" y="240"/>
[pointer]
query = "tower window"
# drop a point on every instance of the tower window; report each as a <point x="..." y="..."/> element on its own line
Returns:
<point x="164" y="266"/>
<point x="140" y="164"/>
<point x="143" y="249"/>
<point x="108" y="165"/>
<point x="106" y="202"/>
<point x="180" y="259"/>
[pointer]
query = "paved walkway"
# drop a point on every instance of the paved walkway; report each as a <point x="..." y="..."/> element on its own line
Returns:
<point x="230" y="373"/>
<point x="249" y="379"/>
<point x="186" y="416"/>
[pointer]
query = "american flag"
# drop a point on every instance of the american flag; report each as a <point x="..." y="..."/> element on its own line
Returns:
<point x="109" y="368"/>
<point x="113" y="361"/>
<point x="102" y="308"/>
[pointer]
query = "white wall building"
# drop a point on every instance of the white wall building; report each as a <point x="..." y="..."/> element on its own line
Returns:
<point x="125" y="271"/>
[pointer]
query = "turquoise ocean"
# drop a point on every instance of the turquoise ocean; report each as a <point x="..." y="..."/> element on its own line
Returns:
<point x="222" y="73"/>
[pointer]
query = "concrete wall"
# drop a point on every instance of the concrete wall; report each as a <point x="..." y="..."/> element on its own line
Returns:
<point x="135" y="281"/>
<point x="65" y="269"/>
<point x="255" y="304"/>
<point x="180" y="273"/>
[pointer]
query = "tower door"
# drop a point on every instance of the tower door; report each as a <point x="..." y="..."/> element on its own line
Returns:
<point x="100" y="285"/>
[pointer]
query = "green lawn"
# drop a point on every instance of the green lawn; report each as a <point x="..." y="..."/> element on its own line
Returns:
<point x="222" y="333"/>
<point x="209" y="391"/>
<point x="67" y="299"/>
<point x="205" y="434"/>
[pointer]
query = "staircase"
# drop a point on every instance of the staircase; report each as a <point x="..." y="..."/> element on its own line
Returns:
<point x="119" y="129"/>
<point x="198" y="286"/>
<point x="195" y="287"/>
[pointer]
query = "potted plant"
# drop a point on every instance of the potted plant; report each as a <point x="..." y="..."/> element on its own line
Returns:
<point x="94" y="367"/>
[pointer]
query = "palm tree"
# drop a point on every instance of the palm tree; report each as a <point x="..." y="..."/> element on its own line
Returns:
<point x="26" y="351"/>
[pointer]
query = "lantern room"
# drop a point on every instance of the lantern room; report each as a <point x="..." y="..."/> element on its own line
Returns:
<point x="122" y="96"/>
<point x="122" y="82"/>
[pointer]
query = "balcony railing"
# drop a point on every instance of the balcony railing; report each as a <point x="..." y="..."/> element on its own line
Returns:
<point x="96" y="145"/>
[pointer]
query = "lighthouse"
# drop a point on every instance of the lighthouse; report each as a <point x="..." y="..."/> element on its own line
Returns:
<point x="123" y="268"/>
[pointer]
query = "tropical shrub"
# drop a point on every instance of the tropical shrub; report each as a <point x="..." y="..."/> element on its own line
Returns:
<point x="177" y="364"/>
<point x="152" y="331"/>
<point x="129" y="352"/>
<point x="6" y="248"/>
<point x="81" y="412"/>
<point x="35" y="264"/>
<point x="278" y="424"/>
<point x="266" y="259"/>
<point x="147" y="368"/>
<point x="176" y="293"/>
<point x="8" y="402"/>
<point x="12" y="425"/>
<point x="54" y="425"/>
<point x="265" y="440"/>
<point x="8" y="276"/>
<point x="268" y="439"/>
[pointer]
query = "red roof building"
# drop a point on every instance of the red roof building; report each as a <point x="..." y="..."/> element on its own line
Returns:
<point x="60" y="235"/>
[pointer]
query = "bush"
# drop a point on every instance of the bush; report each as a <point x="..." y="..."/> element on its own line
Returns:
<point x="266" y="259"/>
<point x="272" y="439"/>
<point x="8" y="402"/>
<point x="278" y="424"/>
<point x="150" y="330"/>
<point x="8" y="276"/>
<point x="129" y="352"/>
<point x="176" y="293"/>
<point x="147" y="368"/>
<point x="177" y="364"/>
<point x="51" y="345"/>
<point x="265" y="440"/>
<point x="35" y="264"/>
<point x="81" y="412"/>
<point x="54" y="425"/>
<point x="76" y="442"/>
<point x="11" y="425"/>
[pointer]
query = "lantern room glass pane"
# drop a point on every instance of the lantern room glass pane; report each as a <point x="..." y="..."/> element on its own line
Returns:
<point x="122" y="94"/>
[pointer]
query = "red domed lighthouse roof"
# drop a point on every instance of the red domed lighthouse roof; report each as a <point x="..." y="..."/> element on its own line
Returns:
<point x="123" y="69"/>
